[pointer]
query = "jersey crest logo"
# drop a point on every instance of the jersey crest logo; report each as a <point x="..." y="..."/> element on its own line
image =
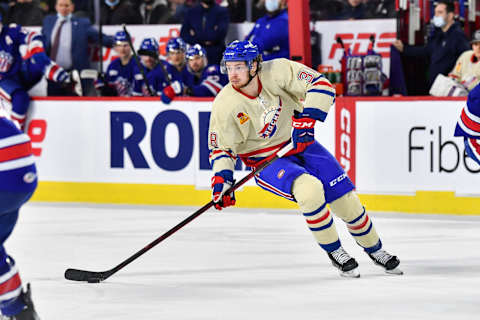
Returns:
<point x="242" y="117"/>
<point x="6" y="61"/>
<point x="269" y="120"/>
<point x="305" y="75"/>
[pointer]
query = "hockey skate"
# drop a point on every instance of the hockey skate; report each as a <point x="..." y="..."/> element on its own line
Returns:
<point x="386" y="261"/>
<point x="28" y="313"/>
<point x="346" y="265"/>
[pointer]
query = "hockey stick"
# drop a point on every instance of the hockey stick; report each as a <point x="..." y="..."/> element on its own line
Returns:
<point x="98" y="276"/>
<point x="139" y="65"/>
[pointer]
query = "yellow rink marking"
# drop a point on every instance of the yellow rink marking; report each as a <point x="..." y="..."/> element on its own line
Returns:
<point x="436" y="202"/>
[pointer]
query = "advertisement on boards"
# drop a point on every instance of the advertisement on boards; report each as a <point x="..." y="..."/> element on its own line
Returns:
<point x="129" y="141"/>
<point x="407" y="146"/>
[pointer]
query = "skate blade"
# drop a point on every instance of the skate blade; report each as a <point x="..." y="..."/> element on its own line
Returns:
<point x="395" y="271"/>
<point x="350" y="274"/>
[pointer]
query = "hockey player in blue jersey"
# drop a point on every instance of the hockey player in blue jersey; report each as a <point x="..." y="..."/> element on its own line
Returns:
<point x="18" y="180"/>
<point x="270" y="32"/>
<point x="468" y="126"/>
<point x="23" y="63"/>
<point x="206" y="80"/>
<point x="148" y="53"/>
<point x="119" y="77"/>
<point x="168" y="77"/>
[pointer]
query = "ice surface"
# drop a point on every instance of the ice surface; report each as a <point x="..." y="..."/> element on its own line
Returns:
<point x="241" y="264"/>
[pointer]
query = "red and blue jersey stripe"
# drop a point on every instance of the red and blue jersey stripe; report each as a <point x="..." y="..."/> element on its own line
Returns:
<point x="17" y="167"/>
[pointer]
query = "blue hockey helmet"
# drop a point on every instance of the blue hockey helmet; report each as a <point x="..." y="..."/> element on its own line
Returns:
<point x="196" y="50"/>
<point x="120" y="37"/>
<point x="149" y="47"/>
<point x="176" y="44"/>
<point x="241" y="51"/>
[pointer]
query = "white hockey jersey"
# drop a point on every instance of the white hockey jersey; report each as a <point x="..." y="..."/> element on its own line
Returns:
<point x="253" y="128"/>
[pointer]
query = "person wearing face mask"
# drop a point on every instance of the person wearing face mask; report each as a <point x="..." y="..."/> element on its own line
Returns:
<point x="207" y="24"/>
<point x="444" y="46"/>
<point x="270" y="32"/>
<point x="117" y="12"/>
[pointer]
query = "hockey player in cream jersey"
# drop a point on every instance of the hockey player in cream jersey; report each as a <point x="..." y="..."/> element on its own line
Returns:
<point x="252" y="118"/>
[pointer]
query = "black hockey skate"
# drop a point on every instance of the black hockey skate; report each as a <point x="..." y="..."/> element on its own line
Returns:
<point x="28" y="313"/>
<point x="346" y="265"/>
<point x="386" y="261"/>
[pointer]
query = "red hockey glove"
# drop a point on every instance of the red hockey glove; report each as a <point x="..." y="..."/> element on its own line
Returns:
<point x="175" y="89"/>
<point x="302" y="133"/>
<point x="221" y="182"/>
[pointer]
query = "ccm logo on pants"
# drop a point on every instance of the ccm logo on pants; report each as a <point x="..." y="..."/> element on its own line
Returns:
<point x="337" y="179"/>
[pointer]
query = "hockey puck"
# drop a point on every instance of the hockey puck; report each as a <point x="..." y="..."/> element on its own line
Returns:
<point x="93" y="280"/>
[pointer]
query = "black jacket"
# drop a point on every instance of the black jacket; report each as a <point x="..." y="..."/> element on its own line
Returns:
<point x="442" y="49"/>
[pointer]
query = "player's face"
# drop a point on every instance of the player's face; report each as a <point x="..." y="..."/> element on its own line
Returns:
<point x="177" y="58"/>
<point x="64" y="7"/>
<point x="238" y="73"/>
<point x="196" y="63"/>
<point x="122" y="49"/>
<point x="476" y="49"/>
<point x="148" y="61"/>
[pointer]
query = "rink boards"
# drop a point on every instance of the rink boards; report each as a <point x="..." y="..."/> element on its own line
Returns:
<point x="400" y="152"/>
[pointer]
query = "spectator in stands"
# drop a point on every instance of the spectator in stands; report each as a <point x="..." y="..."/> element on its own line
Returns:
<point x="353" y="9"/>
<point x="207" y="24"/>
<point x="326" y="10"/>
<point x="66" y="40"/>
<point x="155" y="12"/>
<point x="177" y="10"/>
<point x="117" y="12"/>
<point x="467" y="68"/>
<point x="258" y="9"/>
<point x="270" y="32"/>
<point x="444" y="46"/>
<point x="25" y="13"/>
<point x="238" y="10"/>
<point x="206" y="80"/>
<point x="380" y="9"/>
<point x="84" y="8"/>
<point x="119" y="78"/>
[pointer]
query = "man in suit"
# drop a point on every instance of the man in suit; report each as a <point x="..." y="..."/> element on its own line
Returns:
<point x="66" y="41"/>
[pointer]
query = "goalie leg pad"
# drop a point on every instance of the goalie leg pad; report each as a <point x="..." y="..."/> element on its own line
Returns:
<point x="309" y="193"/>
<point x="359" y="224"/>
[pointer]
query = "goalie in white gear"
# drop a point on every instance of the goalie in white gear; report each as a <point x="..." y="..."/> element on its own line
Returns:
<point x="253" y="117"/>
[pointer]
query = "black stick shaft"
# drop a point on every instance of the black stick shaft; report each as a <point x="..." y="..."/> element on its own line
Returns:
<point x="100" y="41"/>
<point x="139" y="65"/>
<point x="106" y="274"/>
<point x="189" y="219"/>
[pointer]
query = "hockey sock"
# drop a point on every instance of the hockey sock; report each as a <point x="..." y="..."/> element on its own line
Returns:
<point x="309" y="193"/>
<point x="10" y="286"/>
<point x="20" y="104"/>
<point x="359" y="224"/>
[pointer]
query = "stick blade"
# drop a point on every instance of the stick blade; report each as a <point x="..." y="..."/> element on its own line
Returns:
<point x="83" y="275"/>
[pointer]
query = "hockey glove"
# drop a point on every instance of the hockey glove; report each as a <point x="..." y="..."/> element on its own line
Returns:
<point x="71" y="81"/>
<point x="221" y="182"/>
<point x="99" y="83"/>
<point x="169" y="93"/>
